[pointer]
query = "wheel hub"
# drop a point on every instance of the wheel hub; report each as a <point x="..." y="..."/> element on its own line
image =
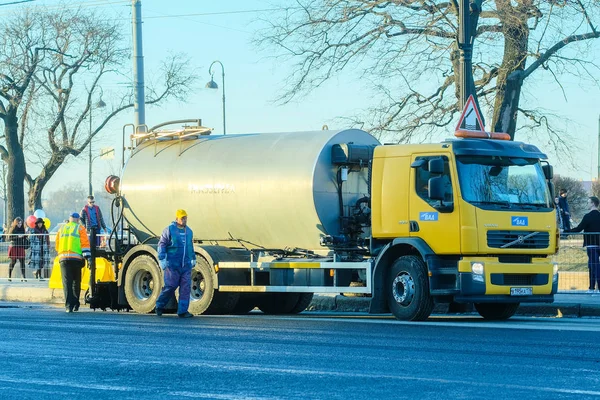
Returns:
<point x="403" y="288"/>
<point x="143" y="285"/>
<point x="198" y="286"/>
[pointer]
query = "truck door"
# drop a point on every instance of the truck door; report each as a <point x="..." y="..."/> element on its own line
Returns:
<point x="435" y="221"/>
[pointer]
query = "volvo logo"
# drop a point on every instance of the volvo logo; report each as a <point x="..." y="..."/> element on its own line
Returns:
<point x="519" y="240"/>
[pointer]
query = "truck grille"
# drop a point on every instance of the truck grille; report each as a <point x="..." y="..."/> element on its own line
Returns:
<point x="519" y="279"/>
<point x="518" y="240"/>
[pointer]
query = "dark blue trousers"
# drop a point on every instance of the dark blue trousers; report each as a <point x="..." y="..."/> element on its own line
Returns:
<point x="594" y="266"/>
<point x="176" y="277"/>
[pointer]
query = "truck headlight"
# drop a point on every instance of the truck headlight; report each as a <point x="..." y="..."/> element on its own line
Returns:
<point x="555" y="271"/>
<point x="478" y="270"/>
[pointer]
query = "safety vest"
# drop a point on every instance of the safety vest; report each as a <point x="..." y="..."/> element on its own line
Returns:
<point x="70" y="241"/>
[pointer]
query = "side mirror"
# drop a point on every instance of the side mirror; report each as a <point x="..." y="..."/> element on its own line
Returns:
<point x="436" y="188"/>
<point x="548" y="171"/>
<point x="436" y="166"/>
<point x="418" y="163"/>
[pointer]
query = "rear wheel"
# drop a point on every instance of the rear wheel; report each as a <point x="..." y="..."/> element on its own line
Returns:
<point x="408" y="289"/>
<point x="204" y="299"/>
<point x="143" y="283"/>
<point x="496" y="311"/>
<point x="303" y="302"/>
<point x="245" y="304"/>
<point x="278" y="303"/>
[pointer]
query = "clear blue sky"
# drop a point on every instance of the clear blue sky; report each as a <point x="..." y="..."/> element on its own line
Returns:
<point x="253" y="81"/>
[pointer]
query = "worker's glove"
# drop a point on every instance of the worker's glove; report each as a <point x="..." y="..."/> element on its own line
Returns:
<point x="193" y="263"/>
<point x="163" y="264"/>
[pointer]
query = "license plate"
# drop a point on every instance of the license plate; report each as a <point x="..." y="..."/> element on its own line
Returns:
<point x="521" y="291"/>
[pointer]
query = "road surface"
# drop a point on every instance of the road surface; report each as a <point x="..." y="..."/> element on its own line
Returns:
<point x="108" y="355"/>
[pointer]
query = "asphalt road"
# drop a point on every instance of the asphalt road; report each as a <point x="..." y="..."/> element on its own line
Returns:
<point x="102" y="355"/>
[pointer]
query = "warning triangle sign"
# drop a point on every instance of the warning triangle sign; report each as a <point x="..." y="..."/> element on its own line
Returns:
<point x="470" y="118"/>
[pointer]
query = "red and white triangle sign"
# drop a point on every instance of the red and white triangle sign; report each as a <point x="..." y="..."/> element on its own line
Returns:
<point x="470" y="119"/>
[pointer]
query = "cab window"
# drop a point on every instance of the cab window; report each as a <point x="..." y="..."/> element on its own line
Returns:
<point x="422" y="181"/>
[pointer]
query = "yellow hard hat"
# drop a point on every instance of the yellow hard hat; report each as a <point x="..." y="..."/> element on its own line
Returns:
<point x="180" y="214"/>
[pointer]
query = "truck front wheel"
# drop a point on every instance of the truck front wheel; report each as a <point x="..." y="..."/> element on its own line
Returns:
<point x="408" y="289"/>
<point x="496" y="311"/>
<point x="143" y="283"/>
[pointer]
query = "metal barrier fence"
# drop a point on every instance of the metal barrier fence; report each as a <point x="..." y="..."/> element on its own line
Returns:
<point x="30" y="256"/>
<point x="572" y="259"/>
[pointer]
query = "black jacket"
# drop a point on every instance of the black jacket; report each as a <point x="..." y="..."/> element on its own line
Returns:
<point x="589" y="224"/>
<point x="563" y="205"/>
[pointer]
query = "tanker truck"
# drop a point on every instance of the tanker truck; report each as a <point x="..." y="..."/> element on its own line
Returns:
<point x="278" y="217"/>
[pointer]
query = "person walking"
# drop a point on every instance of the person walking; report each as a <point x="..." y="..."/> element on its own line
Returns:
<point x="39" y="254"/>
<point x="590" y="225"/>
<point x="17" y="247"/>
<point x="565" y="214"/>
<point x="72" y="246"/>
<point x="177" y="258"/>
<point x="91" y="218"/>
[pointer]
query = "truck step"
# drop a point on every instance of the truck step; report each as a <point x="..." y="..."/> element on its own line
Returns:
<point x="444" y="292"/>
<point x="444" y="271"/>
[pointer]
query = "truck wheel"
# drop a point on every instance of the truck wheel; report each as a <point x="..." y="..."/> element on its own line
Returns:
<point x="143" y="283"/>
<point x="204" y="299"/>
<point x="496" y="311"/>
<point x="303" y="302"/>
<point x="245" y="304"/>
<point x="408" y="289"/>
<point x="278" y="303"/>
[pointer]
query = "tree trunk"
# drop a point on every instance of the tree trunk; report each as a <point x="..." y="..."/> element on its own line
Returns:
<point x="15" y="174"/>
<point x="510" y="74"/>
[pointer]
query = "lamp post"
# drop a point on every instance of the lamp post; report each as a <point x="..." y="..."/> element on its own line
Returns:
<point x="99" y="104"/>
<point x="213" y="85"/>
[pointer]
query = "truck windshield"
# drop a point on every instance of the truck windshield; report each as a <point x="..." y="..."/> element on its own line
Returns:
<point x="503" y="182"/>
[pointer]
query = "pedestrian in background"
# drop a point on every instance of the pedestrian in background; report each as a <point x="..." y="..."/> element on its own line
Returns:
<point x="590" y="225"/>
<point x="39" y="254"/>
<point x="558" y="214"/>
<point x="72" y="246"/>
<point x="91" y="218"/>
<point x="177" y="258"/>
<point x="565" y="214"/>
<point x="17" y="247"/>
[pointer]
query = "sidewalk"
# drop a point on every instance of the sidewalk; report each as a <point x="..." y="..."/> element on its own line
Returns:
<point x="570" y="304"/>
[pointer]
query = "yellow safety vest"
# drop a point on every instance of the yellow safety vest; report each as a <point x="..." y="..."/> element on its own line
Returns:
<point x="68" y="243"/>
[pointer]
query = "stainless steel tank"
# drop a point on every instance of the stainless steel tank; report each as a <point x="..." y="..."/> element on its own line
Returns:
<point x="273" y="190"/>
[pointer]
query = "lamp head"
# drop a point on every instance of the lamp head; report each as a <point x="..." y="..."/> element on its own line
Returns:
<point x="212" y="84"/>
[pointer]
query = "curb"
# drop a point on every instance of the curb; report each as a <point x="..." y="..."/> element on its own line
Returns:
<point x="341" y="303"/>
<point x="337" y="303"/>
<point x="31" y="295"/>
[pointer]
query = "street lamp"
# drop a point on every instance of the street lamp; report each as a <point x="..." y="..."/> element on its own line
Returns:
<point x="213" y="85"/>
<point x="99" y="104"/>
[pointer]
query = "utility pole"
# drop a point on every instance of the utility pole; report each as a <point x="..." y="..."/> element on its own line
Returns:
<point x="598" y="176"/>
<point x="139" y="103"/>
<point x="468" y="17"/>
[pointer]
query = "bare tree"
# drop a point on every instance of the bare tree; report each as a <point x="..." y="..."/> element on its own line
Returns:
<point x="52" y="67"/>
<point x="577" y="196"/>
<point x="407" y="48"/>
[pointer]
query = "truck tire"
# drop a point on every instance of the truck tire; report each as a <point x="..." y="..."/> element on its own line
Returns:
<point x="204" y="298"/>
<point x="278" y="303"/>
<point x="245" y="304"/>
<point x="407" y="289"/>
<point x="303" y="302"/>
<point x="143" y="283"/>
<point x="496" y="311"/>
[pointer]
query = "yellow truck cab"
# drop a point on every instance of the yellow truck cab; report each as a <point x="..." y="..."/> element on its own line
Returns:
<point x="465" y="220"/>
